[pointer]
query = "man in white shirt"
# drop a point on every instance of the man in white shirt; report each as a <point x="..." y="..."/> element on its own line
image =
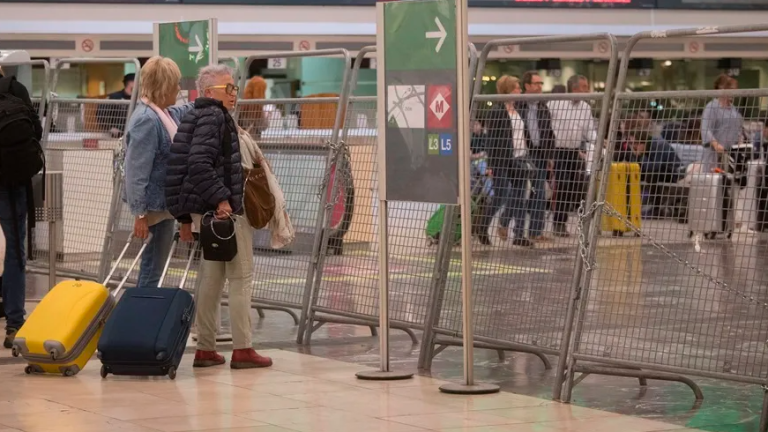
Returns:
<point x="575" y="136"/>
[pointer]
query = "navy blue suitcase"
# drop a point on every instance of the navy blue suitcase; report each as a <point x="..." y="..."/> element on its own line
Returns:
<point x="147" y="332"/>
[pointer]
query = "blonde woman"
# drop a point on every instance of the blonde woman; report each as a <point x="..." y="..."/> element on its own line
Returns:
<point x="148" y="138"/>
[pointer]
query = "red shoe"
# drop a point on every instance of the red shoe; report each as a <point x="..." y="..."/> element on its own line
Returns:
<point x="248" y="359"/>
<point x="207" y="359"/>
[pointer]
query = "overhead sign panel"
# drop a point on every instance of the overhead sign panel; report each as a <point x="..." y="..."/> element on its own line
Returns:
<point x="418" y="80"/>
<point x="191" y="44"/>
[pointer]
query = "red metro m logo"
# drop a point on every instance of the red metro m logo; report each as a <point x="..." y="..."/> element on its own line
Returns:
<point x="439" y="107"/>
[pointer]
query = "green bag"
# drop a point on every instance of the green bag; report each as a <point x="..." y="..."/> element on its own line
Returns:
<point x="435" y="225"/>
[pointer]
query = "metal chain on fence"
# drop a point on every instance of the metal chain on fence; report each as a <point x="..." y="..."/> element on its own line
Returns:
<point x="604" y="207"/>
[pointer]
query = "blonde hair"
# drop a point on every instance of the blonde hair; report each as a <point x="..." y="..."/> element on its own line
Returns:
<point x="160" y="77"/>
<point x="506" y="84"/>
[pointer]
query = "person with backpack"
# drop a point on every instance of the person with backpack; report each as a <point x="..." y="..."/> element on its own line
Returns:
<point x="21" y="158"/>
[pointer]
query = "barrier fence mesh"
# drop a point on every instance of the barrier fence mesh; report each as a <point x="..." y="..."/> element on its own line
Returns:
<point x="84" y="150"/>
<point x="522" y="217"/>
<point x="686" y="290"/>
<point x="349" y="285"/>
<point x="293" y="134"/>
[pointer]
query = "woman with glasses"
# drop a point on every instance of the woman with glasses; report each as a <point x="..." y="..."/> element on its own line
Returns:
<point x="205" y="176"/>
<point x="148" y="139"/>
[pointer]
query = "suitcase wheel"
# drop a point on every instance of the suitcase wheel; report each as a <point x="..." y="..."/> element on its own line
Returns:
<point x="15" y="352"/>
<point x="690" y="234"/>
<point x="28" y="370"/>
<point x="104" y="371"/>
<point x="69" y="373"/>
<point x="729" y="236"/>
<point x="172" y="372"/>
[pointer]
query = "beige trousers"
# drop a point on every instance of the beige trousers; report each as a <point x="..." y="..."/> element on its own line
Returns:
<point x="239" y="274"/>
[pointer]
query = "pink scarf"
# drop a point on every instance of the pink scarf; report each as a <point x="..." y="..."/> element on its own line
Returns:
<point x="170" y="126"/>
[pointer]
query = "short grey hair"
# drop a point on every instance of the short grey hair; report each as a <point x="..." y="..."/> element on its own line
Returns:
<point x="574" y="81"/>
<point x="208" y="74"/>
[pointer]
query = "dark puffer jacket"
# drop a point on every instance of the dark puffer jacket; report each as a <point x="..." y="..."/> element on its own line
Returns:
<point x="195" y="176"/>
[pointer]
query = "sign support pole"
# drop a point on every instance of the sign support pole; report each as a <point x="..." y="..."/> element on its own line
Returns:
<point x="384" y="373"/>
<point x="468" y="387"/>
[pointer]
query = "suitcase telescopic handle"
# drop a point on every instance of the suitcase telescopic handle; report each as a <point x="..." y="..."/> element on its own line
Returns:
<point x="124" y="280"/>
<point x="188" y="266"/>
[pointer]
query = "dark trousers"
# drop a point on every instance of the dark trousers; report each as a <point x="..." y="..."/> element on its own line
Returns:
<point x="13" y="218"/>
<point x="569" y="183"/>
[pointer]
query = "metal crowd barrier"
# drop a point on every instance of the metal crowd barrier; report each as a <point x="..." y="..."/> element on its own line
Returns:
<point x="300" y="138"/>
<point x="346" y="289"/>
<point x="79" y="144"/>
<point x="700" y="309"/>
<point x="521" y="293"/>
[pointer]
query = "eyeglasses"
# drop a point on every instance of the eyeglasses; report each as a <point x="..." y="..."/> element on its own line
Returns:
<point x="228" y="89"/>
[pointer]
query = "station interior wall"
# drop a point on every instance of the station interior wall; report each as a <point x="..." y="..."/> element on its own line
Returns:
<point x="324" y="75"/>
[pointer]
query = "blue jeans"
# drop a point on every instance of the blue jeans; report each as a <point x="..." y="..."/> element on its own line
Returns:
<point x="14" y="278"/>
<point x="156" y="254"/>
<point x="513" y="201"/>
<point x="537" y="204"/>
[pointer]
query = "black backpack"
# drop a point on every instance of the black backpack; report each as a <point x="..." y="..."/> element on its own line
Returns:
<point x="21" y="155"/>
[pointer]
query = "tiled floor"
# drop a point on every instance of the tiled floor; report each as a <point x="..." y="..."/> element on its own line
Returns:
<point x="301" y="393"/>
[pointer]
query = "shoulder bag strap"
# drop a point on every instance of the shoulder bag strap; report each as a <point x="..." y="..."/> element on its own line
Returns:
<point x="227" y="150"/>
<point x="5" y="84"/>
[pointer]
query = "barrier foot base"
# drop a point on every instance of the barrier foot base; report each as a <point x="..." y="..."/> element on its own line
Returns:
<point x="463" y="389"/>
<point x="383" y="376"/>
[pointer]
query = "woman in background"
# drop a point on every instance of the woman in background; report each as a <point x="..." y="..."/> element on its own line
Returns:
<point x="251" y="116"/>
<point x="721" y="125"/>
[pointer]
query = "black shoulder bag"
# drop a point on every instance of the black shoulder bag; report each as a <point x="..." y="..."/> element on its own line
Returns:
<point x="217" y="236"/>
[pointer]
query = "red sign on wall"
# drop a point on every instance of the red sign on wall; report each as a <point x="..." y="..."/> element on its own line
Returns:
<point x="439" y="107"/>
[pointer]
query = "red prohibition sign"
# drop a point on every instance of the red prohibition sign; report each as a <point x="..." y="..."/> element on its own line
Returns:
<point x="602" y="47"/>
<point x="508" y="49"/>
<point x="87" y="45"/>
<point x="304" y="45"/>
<point x="693" y="47"/>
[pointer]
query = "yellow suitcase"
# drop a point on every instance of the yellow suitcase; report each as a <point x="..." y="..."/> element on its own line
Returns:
<point x="61" y="334"/>
<point x="623" y="194"/>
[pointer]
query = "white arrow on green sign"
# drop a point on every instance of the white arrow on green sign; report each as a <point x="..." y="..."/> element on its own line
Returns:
<point x="441" y="34"/>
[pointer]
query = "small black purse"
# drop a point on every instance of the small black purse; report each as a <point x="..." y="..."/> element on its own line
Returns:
<point x="217" y="238"/>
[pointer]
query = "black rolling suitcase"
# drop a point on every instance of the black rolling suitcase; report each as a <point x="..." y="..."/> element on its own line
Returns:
<point x="147" y="332"/>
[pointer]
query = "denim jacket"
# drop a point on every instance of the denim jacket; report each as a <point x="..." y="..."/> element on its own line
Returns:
<point x="147" y="146"/>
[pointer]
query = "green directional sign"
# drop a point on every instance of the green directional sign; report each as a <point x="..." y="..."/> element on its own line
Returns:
<point x="420" y="35"/>
<point x="191" y="44"/>
<point x="417" y="92"/>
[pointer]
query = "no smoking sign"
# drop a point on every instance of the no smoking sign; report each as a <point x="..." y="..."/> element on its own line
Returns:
<point x="87" y="45"/>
